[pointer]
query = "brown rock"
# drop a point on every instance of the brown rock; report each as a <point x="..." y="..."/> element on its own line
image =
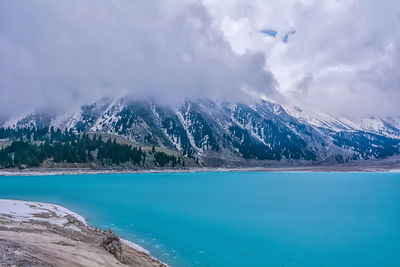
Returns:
<point x="112" y="243"/>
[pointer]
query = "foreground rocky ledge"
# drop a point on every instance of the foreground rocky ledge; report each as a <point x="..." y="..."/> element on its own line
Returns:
<point x="39" y="234"/>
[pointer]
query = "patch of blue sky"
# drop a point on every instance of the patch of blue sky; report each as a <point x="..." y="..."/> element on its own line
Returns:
<point x="286" y="37"/>
<point x="270" y="32"/>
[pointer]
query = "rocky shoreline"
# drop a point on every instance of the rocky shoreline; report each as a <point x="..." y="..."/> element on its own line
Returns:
<point x="391" y="164"/>
<point x="311" y="168"/>
<point x="41" y="234"/>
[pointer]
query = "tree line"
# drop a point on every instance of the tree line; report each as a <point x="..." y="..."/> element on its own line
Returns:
<point x="31" y="146"/>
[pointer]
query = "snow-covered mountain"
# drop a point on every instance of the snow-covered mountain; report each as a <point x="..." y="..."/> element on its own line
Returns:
<point x="220" y="132"/>
<point x="386" y="126"/>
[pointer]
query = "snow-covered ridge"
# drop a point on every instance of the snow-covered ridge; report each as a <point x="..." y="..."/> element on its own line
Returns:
<point x="389" y="126"/>
<point x="202" y="126"/>
<point x="108" y="108"/>
<point x="322" y="120"/>
<point x="386" y="126"/>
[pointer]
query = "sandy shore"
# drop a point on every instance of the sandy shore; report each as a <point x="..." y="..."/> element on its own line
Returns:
<point x="40" y="234"/>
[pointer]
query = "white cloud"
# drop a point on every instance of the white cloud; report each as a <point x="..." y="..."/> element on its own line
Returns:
<point x="58" y="53"/>
<point x="342" y="59"/>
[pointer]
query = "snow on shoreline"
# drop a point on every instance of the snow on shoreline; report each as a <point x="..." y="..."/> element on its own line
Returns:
<point x="135" y="246"/>
<point x="26" y="211"/>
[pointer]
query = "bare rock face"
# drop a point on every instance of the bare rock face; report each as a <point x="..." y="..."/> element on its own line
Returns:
<point x="16" y="254"/>
<point x="112" y="243"/>
<point x="72" y="220"/>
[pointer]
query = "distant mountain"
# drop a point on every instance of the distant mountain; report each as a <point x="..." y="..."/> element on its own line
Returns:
<point x="389" y="126"/>
<point x="223" y="133"/>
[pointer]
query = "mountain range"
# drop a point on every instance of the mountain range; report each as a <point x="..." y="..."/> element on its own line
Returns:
<point x="223" y="133"/>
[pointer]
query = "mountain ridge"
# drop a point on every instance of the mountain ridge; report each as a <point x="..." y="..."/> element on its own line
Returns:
<point x="225" y="132"/>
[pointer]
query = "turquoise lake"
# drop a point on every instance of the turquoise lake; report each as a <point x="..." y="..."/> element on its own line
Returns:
<point x="236" y="218"/>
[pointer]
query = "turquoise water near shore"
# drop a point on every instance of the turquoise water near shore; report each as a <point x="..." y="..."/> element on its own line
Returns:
<point x="236" y="218"/>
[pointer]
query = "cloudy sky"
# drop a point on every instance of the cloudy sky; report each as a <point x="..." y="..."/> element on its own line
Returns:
<point x="335" y="56"/>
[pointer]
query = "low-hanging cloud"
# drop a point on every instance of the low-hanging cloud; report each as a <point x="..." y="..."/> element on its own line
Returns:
<point x="337" y="56"/>
<point x="54" y="54"/>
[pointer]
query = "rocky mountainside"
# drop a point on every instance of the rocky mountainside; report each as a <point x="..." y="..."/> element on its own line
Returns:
<point x="220" y="132"/>
<point x="389" y="126"/>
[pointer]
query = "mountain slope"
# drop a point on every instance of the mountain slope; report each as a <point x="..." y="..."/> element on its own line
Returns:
<point x="221" y="133"/>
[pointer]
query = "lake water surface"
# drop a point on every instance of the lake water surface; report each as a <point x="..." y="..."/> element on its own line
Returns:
<point x="236" y="218"/>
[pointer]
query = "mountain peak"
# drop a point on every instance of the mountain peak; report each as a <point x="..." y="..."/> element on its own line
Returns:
<point x="227" y="131"/>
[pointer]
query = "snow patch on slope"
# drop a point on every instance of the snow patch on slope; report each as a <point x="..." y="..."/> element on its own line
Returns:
<point x="173" y="139"/>
<point x="186" y="125"/>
